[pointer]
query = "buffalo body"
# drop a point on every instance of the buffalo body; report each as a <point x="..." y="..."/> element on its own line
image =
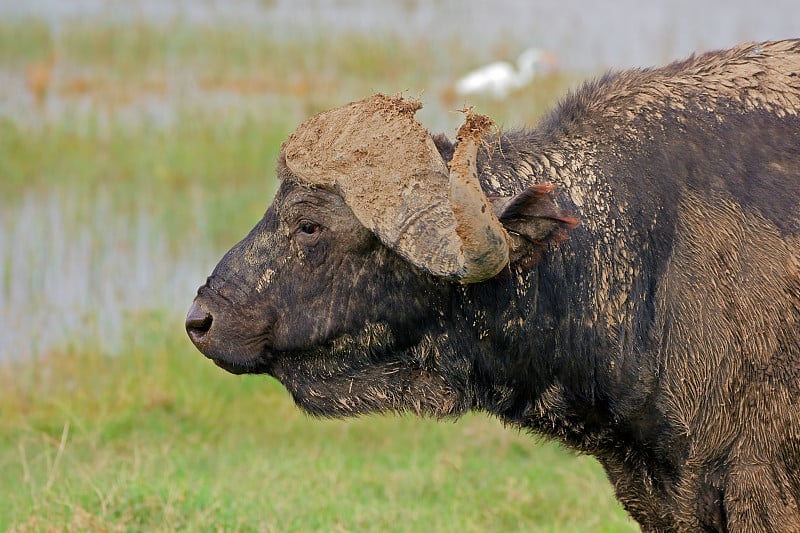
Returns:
<point x="648" y="313"/>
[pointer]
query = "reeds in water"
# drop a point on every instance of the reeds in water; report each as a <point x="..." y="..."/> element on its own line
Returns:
<point x="72" y="270"/>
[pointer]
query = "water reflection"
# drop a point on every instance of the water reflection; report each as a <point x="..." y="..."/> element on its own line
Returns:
<point x="72" y="270"/>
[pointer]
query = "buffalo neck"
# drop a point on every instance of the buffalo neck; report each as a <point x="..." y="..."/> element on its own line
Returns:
<point x="582" y="326"/>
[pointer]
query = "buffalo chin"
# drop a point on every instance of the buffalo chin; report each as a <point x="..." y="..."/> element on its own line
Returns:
<point x="255" y="366"/>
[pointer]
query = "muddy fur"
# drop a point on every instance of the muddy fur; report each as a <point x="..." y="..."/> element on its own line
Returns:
<point x="650" y="314"/>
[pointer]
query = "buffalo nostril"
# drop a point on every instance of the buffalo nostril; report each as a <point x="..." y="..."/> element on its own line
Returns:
<point x="198" y="322"/>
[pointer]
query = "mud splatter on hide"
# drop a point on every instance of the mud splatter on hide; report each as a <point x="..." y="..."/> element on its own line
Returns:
<point x="662" y="337"/>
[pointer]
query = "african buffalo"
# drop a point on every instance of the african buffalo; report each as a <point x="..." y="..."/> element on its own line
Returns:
<point x="624" y="277"/>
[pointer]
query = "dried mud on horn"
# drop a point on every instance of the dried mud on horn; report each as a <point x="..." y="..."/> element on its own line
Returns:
<point x="484" y="241"/>
<point x="386" y="167"/>
<point x="344" y="146"/>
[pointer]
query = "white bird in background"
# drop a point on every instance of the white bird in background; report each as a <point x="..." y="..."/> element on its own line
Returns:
<point x="500" y="78"/>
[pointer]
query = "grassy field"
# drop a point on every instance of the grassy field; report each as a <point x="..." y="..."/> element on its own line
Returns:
<point x="131" y="157"/>
<point x="158" y="439"/>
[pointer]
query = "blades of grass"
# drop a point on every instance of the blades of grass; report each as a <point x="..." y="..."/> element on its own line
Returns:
<point x="51" y="475"/>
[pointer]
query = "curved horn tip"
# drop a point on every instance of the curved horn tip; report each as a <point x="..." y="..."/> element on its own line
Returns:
<point x="484" y="242"/>
<point x="475" y="126"/>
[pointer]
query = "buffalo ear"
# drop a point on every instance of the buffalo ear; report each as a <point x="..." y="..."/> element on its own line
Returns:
<point x="532" y="220"/>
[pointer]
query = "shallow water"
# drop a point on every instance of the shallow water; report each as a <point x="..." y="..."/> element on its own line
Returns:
<point x="588" y="36"/>
<point x="72" y="271"/>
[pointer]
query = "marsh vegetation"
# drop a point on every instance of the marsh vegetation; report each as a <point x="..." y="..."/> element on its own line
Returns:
<point x="132" y="154"/>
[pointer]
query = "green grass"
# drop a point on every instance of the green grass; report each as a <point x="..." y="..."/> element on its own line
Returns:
<point x="159" y="438"/>
<point x="175" y="108"/>
<point x="223" y="170"/>
<point x="151" y="436"/>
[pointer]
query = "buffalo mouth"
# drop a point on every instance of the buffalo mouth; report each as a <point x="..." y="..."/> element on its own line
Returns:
<point x="257" y="365"/>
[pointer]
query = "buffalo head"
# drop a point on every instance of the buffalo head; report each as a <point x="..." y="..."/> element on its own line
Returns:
<point x="354" y="288"/>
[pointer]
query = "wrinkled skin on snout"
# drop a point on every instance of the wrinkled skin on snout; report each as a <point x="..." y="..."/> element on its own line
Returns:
<point x="313" y="298"/>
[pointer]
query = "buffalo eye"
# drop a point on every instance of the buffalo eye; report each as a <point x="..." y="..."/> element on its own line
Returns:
<point x="309" y="228"/>
<point x="308" y="232"/>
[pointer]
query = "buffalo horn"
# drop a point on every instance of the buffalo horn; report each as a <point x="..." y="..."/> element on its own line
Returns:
<point x="386" y="167"/>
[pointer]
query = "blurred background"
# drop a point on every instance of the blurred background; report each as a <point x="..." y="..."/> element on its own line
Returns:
<point x="137" y="144"/>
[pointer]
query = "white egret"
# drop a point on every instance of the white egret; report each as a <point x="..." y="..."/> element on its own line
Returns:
<point x="500" y="78"/>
